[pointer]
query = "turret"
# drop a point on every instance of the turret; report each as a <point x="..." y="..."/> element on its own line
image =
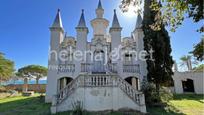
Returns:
<point x="115" y="32"/>
<point x="99" y="24"/>
<point x="82" y="32"/>
<point x="57" y="35"/>
<point x="138" y="22"/>
<point x="138" y="36"/>
<point x="99" y="10"/>
<point x="138" y="33"/>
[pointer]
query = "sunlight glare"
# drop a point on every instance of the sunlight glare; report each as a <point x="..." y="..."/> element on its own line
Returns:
<point x="131" y="12"/>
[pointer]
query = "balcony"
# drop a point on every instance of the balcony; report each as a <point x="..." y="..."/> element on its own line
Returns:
<point x="131" y="68"/>
<point x="66" y="68"/>
<point x="99" y="68"/>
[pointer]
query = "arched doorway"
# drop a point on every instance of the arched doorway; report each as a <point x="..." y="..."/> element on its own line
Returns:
<point x="134" y="81"/>
<point x="188" y="85"/>
<point x="99" y="60"/>
<point x="63" y="82"/>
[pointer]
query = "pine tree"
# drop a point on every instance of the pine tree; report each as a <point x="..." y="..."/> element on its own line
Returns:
<point x="160" y="68"/>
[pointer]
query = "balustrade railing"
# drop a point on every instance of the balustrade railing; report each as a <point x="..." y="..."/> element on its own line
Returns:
<point x="66" y="68"/>
<point x="98" y="81"/>
<point x="90" y="67"/>
<point x="68" y="90"/>
<point x="129" y="90"/>
<point x="131" y="68"/>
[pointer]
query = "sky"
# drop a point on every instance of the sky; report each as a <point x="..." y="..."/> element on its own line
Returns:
<point x="25" y="35"/>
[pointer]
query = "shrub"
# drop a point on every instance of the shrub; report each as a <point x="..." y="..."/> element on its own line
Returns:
<point x="77" y="108"/>
<point x="3" y="89"/>
<point x="151" y="96"/>
<point x="165" y="94"/>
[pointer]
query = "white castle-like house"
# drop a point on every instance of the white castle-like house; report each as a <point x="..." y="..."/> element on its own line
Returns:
<point x="108" y="83"/>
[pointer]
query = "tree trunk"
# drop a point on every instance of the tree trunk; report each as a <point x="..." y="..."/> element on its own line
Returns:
<point x="37" y="80"/>
<point x="158" y="89"/>
<point x="37" y="83"/>
<point x="25" y="86"/>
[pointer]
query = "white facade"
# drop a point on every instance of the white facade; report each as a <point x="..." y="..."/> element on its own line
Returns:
<point x="108" y="83"/>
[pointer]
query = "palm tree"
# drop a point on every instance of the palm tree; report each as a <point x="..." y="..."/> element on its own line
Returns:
<point x="187" y="62"/>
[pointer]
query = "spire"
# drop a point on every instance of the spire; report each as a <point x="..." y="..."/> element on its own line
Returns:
<point x="99" y="10"/>
<point x="82" y="22"/>
<point x="58" y="20"/>
<point x="100" y="5"/>
<point x="138" y="22"/>
<point x="115" y="23"/>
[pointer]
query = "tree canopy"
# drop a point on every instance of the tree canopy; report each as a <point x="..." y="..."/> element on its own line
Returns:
<point x="36" y="71"/>
<point x="172" y="12"/>
<point x="6" y="68"/>
<point x="200" y="68"/>
<point x="160" y="68"/>
<point x="198" y="50"/>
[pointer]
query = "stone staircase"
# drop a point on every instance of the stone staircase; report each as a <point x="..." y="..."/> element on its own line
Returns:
<point x="99" y="80"/>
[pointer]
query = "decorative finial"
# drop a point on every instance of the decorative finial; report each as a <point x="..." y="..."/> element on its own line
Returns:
<point x="114" y="10"/>
<point x="58" y="10"/>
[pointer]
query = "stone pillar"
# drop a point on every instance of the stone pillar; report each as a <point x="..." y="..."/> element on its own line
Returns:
<point x="54" y="103"/>
<point x="64" y="82"/>
<point x="142" y="104"/>
<point x="134" y="82"/>
<point x="138" y="84"/>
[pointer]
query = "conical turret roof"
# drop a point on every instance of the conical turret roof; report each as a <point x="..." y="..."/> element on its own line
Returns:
<point x="58" y="21"/>
<point x="82" y="22"/>
<point x="138" y="22"/>
<point x="100" y="5"/>
<point x="115" y="23"/>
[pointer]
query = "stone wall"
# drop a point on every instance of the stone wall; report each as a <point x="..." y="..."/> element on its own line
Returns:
<point x="100" y="99"/>
<point x="40" y="88"/>
<point x="197" y="78"/>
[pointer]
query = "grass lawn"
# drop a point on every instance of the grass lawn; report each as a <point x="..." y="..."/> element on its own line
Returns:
<point x="181" y="105"/>
<point x="184" y="104"/>
<point x="24" y="106"/>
